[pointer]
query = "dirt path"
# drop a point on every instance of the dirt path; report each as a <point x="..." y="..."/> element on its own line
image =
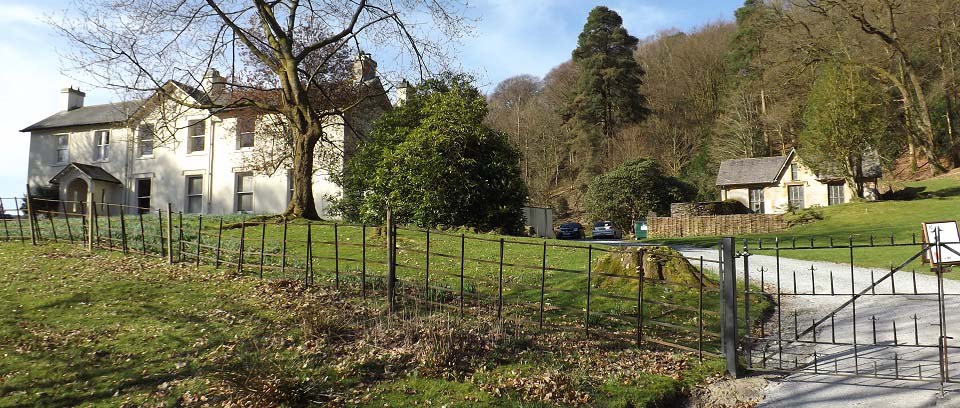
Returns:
<point x="812" y="294"/>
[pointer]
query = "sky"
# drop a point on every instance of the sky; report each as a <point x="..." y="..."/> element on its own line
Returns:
<point x="511" y="37"/>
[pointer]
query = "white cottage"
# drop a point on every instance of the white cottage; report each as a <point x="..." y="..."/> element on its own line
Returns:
<point x="773" y="185"/>
<point x="113" y="151"/>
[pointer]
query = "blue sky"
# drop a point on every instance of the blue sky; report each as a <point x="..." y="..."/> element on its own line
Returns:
<point x="511" y="37"/>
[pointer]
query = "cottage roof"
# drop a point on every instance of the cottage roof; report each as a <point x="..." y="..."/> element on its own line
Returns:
<point x="87" y="115"/>
<point x="754" y="170"/>
<point x="94" y="172"/>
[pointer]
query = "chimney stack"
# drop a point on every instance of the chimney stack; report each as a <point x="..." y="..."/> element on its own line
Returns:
<point x="404" y="92"/>
<point x="364" y="67"/>
<point x="72" y="98"/>
<point x="213" y="84"/>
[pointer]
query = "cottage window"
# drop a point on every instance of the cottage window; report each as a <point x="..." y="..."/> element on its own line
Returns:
<point x="145" y="140"/>
<point x="63" y="149"/>
<point x="196" y="130"/>
<point x="245" y="132"/>
<point x="756" y="200"/>
<point x="796" y="197"/>
<point x="194" y="194"/>
<point x="101" y="145"/>
<point x="244" y="189"/>
<point x="144" y="188"/>
<point x="794" y="172"/>
<point x="835" y="194"/>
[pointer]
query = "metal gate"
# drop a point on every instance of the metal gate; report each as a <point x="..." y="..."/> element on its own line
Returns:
<point x="839" y="319"/>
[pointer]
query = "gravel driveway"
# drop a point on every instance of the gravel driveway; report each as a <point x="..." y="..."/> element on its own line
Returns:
<point x="818" y="296"/>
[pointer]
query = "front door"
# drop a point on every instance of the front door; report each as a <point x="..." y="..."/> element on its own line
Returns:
<point x="143" y="195"/>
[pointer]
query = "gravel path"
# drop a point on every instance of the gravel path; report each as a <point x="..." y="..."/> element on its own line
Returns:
<point x="813" y="294"/>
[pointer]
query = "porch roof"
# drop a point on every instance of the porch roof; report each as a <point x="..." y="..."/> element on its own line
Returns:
<point x="91" y="171"/>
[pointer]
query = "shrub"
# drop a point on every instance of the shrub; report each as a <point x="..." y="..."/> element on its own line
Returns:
<point x="632" y="190"/>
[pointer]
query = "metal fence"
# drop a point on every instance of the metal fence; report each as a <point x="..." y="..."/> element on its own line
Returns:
<point x="536" y="286"/>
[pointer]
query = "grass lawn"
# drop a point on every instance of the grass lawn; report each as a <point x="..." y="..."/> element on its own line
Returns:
<point x="938" y="201"/>
<point x="102" y="329"/>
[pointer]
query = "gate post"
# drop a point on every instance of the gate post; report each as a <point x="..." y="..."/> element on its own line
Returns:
<point x="391" y="262"/>
<point x="728" y="298"/>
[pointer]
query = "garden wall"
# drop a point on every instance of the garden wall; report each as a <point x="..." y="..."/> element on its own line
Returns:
<point x="675" y="227"/>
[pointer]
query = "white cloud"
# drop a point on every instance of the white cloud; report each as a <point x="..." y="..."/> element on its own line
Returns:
<point x="20" y="14"/>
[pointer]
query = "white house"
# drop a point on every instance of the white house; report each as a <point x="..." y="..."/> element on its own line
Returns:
<point x="773" y="185"/>
<point x="201" y="165"/>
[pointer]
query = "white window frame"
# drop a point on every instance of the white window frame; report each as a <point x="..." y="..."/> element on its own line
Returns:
<point x="141" y="141"/>
<point x="836" y="199"/>
<point x="143" y="210"/>
<point x="101" y="150"/>
<point x="794" y="171"/>
<point x="793" y="201"/>
<point x="241" y="133"/>
<point x="64" y="148"/>
<point x="239" y="194"/>
<point x="755" y="205"/>
<point x="188" y="195"/>
<point x="191" y="124"/>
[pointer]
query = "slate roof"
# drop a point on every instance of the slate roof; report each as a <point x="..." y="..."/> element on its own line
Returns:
<point x="94" y="172"/>
<point x="87" y="115"/>
<point x="756" y="170"/>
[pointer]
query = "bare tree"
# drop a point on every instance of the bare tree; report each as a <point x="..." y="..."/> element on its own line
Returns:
<point x="295" y="59"/>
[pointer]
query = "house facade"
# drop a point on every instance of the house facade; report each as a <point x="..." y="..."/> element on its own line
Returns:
<point x="774" y="185"/>
<point x="147" y="154"/>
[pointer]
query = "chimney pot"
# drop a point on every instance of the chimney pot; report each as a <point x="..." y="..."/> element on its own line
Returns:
<point x="213" y="84"/>
<point x="364" y="67"/>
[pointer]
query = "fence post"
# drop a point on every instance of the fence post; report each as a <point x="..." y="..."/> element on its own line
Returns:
<point x="463" y="247"/>
<point x="263" y="237"/>
<point x="216" y="262"/>
<point x="30" y="218"/>
<point x="169" y="232"/>
<point x="199" y="234"/>
<point x="143" y="236"/>
<point x="641" y="255"/>
<point x="283" y="251"/>
<point x="543" y="282"/>
<point x="728" y="296"/>
<point x="426" y="279"/>
<point x="589" y="285"/>
<point x="16" y="207"/>
<point x="94" y="222"/>
<point x="363" y="262"/>
<point x="336" y="256"/>
<point x="53" y="227"/>
<point x="106" y="208"/>
<point x="89" y="223"/>
<point x="243" y="240"/>
<point x="308" y="266"/>
<point x="66" y="218"/>
<point x="500" y="289"/>
<point x="391" y="263"/>
<point x="180" y="236"/>
<point x="163" y="252"/>
<point x="123" y="230"/>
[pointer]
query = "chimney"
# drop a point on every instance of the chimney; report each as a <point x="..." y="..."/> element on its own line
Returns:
<point x="364" y="67"/>
<point x="213" y="84"/>
<point x="404" y="92"/>
<point x="72" y="98"/>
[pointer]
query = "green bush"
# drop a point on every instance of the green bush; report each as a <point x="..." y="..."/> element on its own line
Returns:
<point x="632" y="190"/>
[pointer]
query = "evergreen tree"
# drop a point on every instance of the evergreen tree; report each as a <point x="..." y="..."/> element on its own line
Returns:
<point x="608" y="91"/>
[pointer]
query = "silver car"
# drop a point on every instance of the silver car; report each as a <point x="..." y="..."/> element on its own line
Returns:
<point x="606" y="229"/>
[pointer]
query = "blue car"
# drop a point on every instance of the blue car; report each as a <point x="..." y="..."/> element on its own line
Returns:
<point x="571" y="230"/>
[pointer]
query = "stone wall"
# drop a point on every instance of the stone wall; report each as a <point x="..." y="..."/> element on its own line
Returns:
<point x="719" y="225"/>
<point x="707" y="209"/>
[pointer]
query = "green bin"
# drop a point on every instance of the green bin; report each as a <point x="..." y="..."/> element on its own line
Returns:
<point x="640" y="229"/>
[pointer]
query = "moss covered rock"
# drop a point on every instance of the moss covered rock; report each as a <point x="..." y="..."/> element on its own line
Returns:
<point x="659" y="263"/>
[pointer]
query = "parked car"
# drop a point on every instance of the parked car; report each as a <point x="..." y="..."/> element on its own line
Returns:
<point x="606" y="229"/>
<point x="571" y="230"/>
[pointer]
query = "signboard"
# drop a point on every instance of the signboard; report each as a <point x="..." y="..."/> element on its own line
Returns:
<point x="945" y="232"/>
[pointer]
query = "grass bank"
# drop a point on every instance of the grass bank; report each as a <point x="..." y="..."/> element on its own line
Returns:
<point x="101" y="329"/>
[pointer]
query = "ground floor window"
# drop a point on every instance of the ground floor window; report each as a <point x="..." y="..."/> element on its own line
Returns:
<point x="796" y="197"/>
<point x="835" y="194"/>
<point x="244" y="192"/>
<point x="194" y="194"/>
<point x="144" y="188"/>
<point x="756" y="200"/>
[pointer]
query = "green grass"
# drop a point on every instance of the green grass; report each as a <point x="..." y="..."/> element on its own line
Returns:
<point x="901" y="220"/>
<point x="102" y="329"/>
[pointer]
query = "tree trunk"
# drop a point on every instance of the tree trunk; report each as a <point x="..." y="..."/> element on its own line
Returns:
<point x="302" y="204"/>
